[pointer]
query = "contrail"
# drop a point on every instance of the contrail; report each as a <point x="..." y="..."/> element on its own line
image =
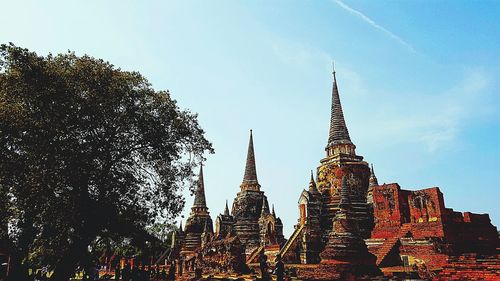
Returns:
<point x="375" y="25"/>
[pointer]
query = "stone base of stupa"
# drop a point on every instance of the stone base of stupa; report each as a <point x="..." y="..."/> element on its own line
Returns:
<point x="347" y="253"/>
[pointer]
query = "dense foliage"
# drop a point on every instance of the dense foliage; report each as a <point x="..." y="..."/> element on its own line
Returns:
<point x="87" y="150"/>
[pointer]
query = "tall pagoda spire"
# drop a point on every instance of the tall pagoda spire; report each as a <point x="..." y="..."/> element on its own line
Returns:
<point x="250" y="178"/>
<point x="199" y="194"/>
<point x="180" y="227"/>
<point x="174" y="242"/>
<point x="312" y="184"/>
<point x="373" y="179"/>
<point x="338" y="129"/>
<point x="265" y="207"/>
<point x="226" y="210"/>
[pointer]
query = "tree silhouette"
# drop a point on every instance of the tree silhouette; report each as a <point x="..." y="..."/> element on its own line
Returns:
<point x="87" y="150"/>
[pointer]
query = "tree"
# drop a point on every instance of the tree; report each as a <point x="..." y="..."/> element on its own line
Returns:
<point x="87" y="150"/>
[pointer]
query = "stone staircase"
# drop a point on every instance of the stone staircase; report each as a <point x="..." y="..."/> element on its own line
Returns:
<point x="292" y="240"/>
<point x="164" y="255"/>
<point x="391" y="243"/>
<point x="255" y="253"/>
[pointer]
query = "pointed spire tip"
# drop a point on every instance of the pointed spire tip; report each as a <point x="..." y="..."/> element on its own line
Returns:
<point x="373" y="181"/>
<point x="250" y="176"/>
<point x="199" y="195"/>
<point x="312" y="184"/>
<point x="226" y="210"/>
<point x="338" y="133"/>
<point x="265" y="206"/>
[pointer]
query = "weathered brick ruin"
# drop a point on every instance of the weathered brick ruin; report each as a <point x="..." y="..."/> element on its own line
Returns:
<point x="415" y="227"/>
<point x="349" y="226"/>
<point x="199" y="220"/>
<point x="240" y="235"/>
<point x="334" y="216"/>
<point x="253" y="222"/>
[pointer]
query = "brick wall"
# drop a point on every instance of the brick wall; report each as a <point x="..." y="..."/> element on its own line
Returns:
<point x="424" y="213"/>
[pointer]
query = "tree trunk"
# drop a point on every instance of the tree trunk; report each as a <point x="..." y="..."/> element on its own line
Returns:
<point x="17" y="271"/>
<point x="65" y="268"/>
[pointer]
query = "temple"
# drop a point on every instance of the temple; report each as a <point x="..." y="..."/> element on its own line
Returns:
<point x="253" y="222"/>
<point x="251" y="227"/>
<point x="414" y="228"/>
<point x="319" y="204"/>
<point x="349" y="226"/>
<point x="199" y="221"/>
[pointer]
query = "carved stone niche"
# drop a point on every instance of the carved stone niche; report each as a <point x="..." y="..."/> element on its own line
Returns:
<point x="424" y="205"/>
<point x="355" y="186"/>
<point x="419" y="200"/>
<point x="303" y="201"/>
<point x="389" y="198"/>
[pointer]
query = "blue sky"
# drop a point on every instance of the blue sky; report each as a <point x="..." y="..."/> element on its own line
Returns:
<point x="418" y="83"/>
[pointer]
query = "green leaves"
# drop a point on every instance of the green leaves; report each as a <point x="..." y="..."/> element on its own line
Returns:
<point x="86" y="147"/>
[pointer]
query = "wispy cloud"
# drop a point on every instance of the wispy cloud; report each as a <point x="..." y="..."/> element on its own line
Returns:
<point x="435" y="121"/>
<point x="293" y="53"/>
<point x="375" y="25"/>
<point x="456" y="107"/>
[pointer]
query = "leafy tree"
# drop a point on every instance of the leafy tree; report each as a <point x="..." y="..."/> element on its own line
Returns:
<point x="162" y="231"/>
<point x="5" y="214"/>
<point x="87" y="150"/>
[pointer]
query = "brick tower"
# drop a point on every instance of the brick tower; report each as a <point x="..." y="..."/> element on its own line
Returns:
<point x="224" y="224"/>
<point x="248" y="208"/>
<point x="345" y="247"/>
<point x="199" y="218"/>
<point x="341" y="161"/>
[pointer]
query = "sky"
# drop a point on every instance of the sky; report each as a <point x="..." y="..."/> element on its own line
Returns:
<point x="418" y="82"/>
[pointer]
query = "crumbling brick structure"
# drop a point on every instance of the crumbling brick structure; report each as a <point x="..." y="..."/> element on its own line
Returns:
<point x="417" y="227"/>
<point x="349" y="226"/>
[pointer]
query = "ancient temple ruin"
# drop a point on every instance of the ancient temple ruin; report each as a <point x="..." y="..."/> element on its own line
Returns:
<point x="349" y="226"/>
<point x="253" y="222"/>
<point x="319" y="204"/>
<point x="199" y="223"/>
<point x="248" y="229"/>
<point x="415" y="226"/>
